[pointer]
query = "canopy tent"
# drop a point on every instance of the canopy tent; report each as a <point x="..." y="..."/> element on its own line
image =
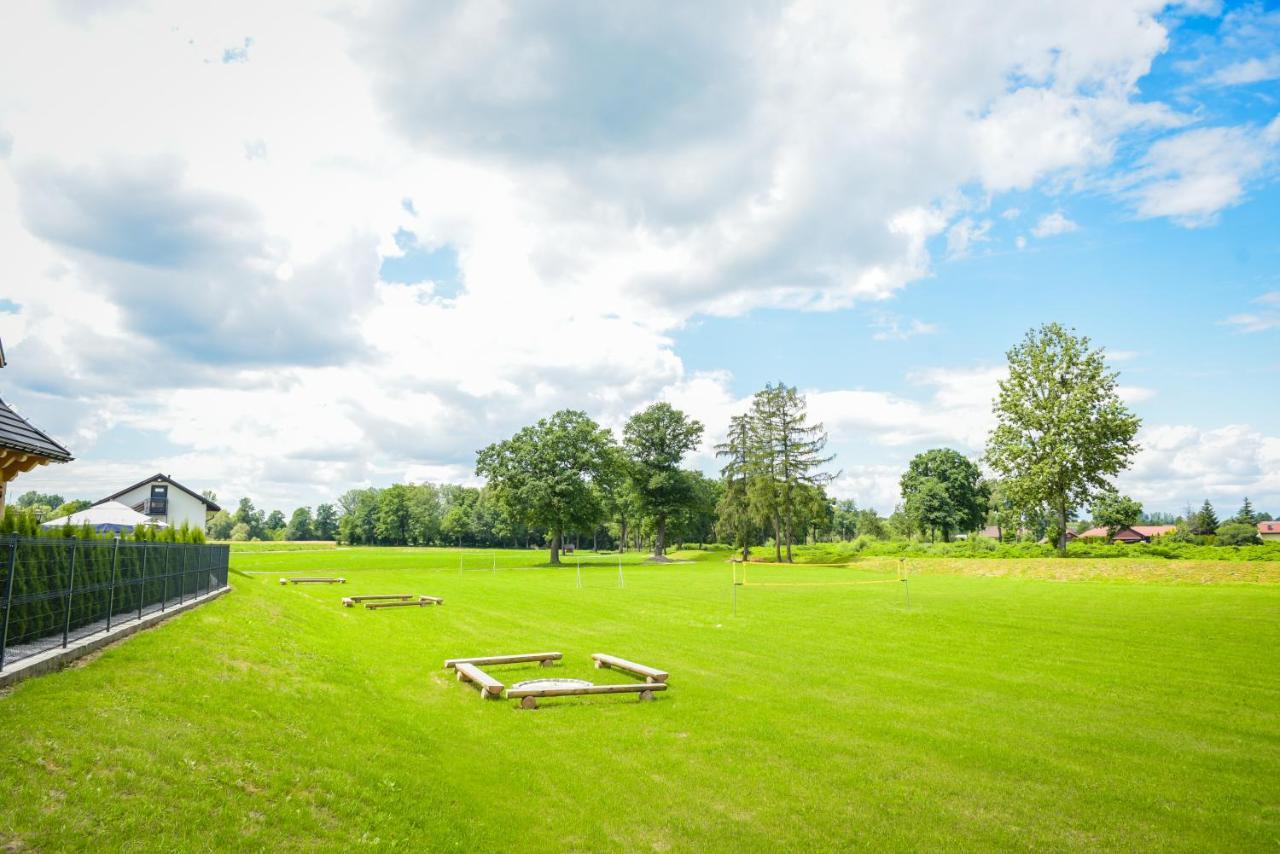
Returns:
<point x="108" y="516"/>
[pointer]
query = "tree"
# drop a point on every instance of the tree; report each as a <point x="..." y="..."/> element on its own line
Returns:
<point x="1238" y="534"/>
<point x="240" y="532"/>
<point x="1246" y="515"/>
<point x="299" y="527"/>
<point x="326" y="527"/>
<point x="787" y="455"/>
<point x="69" y="507"/>
<point x="1003" y="513"/>
<point x="249" y="516"/>
<point x="31" y="499"/>
<point x="542" y="475"/>
<point x="220" y="525"/>
<point x="1114" y="511"/>
<point x="1061" y="428"/>
<point x="1205" y="522"/>
<point x="656" y="440"/>
<point x="737" y="516"/>
<point x="962" y="503"/>
<point x="870" y="524"/>
<point x="392" y="527"/>
<point x="844" y="519"/>
<point x="275" y="522"/>
<point x="358" y="524"/>
<point x="899" y="524"/>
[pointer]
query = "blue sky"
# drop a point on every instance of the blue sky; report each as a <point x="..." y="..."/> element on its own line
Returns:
<point x="282" y="253"/>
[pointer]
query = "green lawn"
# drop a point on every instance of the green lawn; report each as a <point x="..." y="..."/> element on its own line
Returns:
<point x="996" y="711"/>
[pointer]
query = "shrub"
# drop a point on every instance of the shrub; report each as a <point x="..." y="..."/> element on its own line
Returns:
<point x="1237" y="534"/>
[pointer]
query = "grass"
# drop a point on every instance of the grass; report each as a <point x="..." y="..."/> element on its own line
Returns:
<point x="998" y="711"/>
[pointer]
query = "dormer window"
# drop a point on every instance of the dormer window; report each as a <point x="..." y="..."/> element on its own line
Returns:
<point x="159" y="503"/>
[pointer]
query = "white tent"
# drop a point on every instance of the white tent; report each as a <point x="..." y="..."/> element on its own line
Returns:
<point x="107" y="516"/>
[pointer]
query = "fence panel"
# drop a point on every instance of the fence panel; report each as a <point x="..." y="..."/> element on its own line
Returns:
<point x="55" y="591"/>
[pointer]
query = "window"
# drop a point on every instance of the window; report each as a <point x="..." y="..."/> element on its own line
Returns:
<point x="159" y="504"/>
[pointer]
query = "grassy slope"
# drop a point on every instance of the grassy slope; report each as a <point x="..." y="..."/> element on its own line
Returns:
<point x="995" y="712"/>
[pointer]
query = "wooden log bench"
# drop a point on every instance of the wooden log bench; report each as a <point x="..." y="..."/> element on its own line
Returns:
<point x="304" y="580"/>
<point x="490" y="688"/>
<point x="420" y="603"/>
<point x="546" y="659"/>
<point x="650" y="675"/>
<point x="528" y="697"/>
<point x="351" y="601"/>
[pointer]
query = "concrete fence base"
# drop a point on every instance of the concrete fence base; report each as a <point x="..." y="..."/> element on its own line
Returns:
<point x="59" y="657"/>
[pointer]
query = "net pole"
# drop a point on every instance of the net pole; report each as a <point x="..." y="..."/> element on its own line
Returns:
<point x="621" y="582"/>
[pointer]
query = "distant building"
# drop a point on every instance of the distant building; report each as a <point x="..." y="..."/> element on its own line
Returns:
<point x="22" y="446"/>
<point x="1131" y="534"/>
<point x="1269" y="532"/>
<point x="163" y="499"/>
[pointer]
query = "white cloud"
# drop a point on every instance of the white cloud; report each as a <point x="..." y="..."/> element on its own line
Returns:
<point x="1192" y="176"/>
<point x="1267" y="318"/>
<point x="1252" y="70"/>
<point x="195" y="244"/>
<point x="891" y="327"/>
<point x="1053" y="223"/>
<point x="1181" y="465"/>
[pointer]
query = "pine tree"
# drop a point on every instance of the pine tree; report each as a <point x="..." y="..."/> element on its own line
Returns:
<point x="736" y="516"/>
<point x="793" y="449"/>
<point x="1206" y="521"/>
<point x="1246" y="514"/>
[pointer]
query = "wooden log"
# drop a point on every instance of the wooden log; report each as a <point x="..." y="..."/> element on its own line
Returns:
<point x="649" y="674"/>
<point x="378" y="606"/>
<point x="506" y="659"/>
<point x="573" y="690"/>
<point x="431" y="600"/>
<point x="301" y="580"/>
<point x="380" y="597"/>
<point x="528" y="703"/>
<point x="489" y="687"/>
<point x="348" y="602"/>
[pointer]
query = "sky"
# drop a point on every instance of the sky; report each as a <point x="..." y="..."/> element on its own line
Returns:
<point x="286" y="249"/>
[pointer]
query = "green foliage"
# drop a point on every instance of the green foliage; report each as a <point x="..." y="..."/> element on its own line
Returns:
<point x="1114" y="511"/>
<point x="220" y="525"/>
<point x="1205" y="522"/>
<point x="656" y="440"/>
<point x="1061" y="429"/>
<point x="326" y="523"/>
<point x="300" y="525"/>
<point x="542" y="476"/>
<point x="943" y="492"/>
<point x="1246" y="514"/>
<point x="1238" y="534"/>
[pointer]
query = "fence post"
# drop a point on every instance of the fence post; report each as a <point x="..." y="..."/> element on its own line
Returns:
<point x="142" y="577"/>
<point x="8" y="598"/>
<point x="182" y="578"/>
<point x="71" y="589"/>
<point x="164" y="595"/>
<point x="111" y="596"/>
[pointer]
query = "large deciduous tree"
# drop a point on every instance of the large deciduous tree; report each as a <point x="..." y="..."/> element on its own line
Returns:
<point x="656" y="440"/>
<point x="943" y="491"/>
<point x="542" y="475"/>
<point x="1061" y="429"/>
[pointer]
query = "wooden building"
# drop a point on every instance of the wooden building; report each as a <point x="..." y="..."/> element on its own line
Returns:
<point x="23" y="446"/>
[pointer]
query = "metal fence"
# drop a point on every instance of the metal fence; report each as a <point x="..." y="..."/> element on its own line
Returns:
<point x="55" y="591"/>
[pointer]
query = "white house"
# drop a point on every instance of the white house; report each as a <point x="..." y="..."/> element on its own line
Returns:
<point x="165" y="500"/>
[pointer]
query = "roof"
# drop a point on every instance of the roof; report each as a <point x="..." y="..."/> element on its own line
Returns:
<point x="1144" y="530"/>
<point x="106" y="515"/>
<point x="1269" y="527"/>
<point x="166" y="479"/>
<point x="17" y="434"/>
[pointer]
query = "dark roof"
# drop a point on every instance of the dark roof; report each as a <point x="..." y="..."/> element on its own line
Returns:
<point x="18" y="434"/>
<point x="164" y="477"/>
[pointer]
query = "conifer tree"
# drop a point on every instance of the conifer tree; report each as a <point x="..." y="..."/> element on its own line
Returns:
<point x="1206" y="520"/>
<point x="1246" y="514"/>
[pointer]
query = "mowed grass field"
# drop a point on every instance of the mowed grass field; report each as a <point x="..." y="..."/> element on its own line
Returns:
<point x="997" y="711"/>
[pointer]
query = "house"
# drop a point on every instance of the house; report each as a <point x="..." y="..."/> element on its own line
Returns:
<point x="22" y="446"/>
<point x="165" y="500"/>
<point x="1269" y="532"/>
<point x="1131" y="534"/>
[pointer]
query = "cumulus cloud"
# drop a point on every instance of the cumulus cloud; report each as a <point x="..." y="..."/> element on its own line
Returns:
<point x="1053" y="223"/>
<point x="600" y="177"/>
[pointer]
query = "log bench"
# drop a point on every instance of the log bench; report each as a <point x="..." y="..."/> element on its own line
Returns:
<point x="490" y="688"/>
<point x="421" y="603"/>
<point x="528" y="697"/>
<point x="546" y="659"/>
<point x="351" y="601"/>
<point x="305" y="580"/>
<point x="648" y="674"/>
